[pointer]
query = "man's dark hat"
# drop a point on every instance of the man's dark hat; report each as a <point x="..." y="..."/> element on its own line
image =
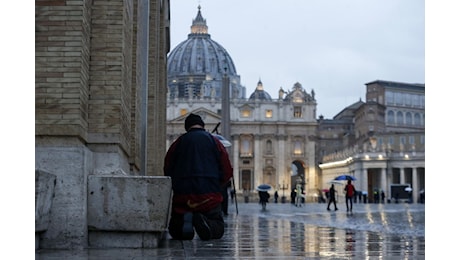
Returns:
<point x="193" y="119"/>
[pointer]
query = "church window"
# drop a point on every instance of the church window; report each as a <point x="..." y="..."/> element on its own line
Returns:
<point x="411" y="139"/>
<point x="297" y="112"/>
<point x="245" y="113"/>
<point x="417" y="119"/>
<point x="391" y="117"/>
<point x="402" y="140"/>
<point x="408" y="118"/>
<point x="246" y="147"/>
<point x="390" y="140"/>
<point x="297" y="147"/>
<point x="269" y="147"/>
<point x="268" y="113"/>
<point x="400" y="118"/>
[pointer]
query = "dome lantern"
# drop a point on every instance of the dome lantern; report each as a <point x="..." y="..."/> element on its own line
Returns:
<point x="206" y="61"/>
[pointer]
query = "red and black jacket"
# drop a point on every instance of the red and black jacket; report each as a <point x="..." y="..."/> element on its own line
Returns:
<point x="199" y="167"/>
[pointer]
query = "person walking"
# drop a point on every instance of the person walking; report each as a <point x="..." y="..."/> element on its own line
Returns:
<point x="298" y="197"/>
<point x="263" y="199"/>
<point x="276" y="196"/>
<point x="293" y="195"/>
<point x="200" y="168"/>
<point x="332" y="198"/>
<point x="349" y="192"/>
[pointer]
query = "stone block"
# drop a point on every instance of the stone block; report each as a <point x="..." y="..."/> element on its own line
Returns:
<point x="128" y="211"/>
<point x="44" y="195"/>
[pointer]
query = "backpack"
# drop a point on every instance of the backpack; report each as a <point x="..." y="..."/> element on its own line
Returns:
<point x="350" y="190"/>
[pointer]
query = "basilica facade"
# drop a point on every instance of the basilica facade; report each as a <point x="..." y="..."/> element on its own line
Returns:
<point x="272" y="138"/>
<point x="281" y="142"/>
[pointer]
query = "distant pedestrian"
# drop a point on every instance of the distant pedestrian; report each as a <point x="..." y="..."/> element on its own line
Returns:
<point x="422" y="196"/>
<point x="376" y="196"/>
<point x="332" y="198"/>
<point x="298" y="197"/>
<point x="293" y="195"/>
<point x="263" y="199"/>
<point x="320" y="197"/>
<point x="276" y="196"/>
<point x="349" y="192"/>
<point x="382" y="196"/>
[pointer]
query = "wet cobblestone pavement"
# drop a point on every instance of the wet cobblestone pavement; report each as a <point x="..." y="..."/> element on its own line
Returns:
<point x="283" y="231"/>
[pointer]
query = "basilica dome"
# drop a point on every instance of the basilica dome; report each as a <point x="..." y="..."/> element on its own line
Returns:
<point x="197" y="66"/>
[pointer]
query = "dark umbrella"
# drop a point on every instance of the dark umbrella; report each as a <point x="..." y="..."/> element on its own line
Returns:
<point x="264" y="187"/>
<point x="222" y="139"/>
<point x="345" y="178"/>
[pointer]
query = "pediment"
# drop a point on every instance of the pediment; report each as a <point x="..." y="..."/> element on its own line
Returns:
<point x="246" y="107"/>
<point x="210" y="118"/>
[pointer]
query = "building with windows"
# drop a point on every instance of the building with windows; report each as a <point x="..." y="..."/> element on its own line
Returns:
<point x="272" y="139"/>
<point x="382" y="139"/>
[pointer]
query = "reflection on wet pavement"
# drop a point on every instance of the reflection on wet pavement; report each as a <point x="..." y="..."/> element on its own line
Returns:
<point x="283" y="231"/>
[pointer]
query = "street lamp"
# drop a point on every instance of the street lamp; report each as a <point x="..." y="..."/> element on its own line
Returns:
<point x="283" y="198"/>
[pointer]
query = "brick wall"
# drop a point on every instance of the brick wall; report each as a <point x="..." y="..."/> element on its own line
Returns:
<point x="110" y="72"/>
<point x="87" y="82"/>
<point x="61" y="67"/>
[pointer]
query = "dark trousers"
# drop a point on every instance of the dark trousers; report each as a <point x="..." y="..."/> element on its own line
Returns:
<point x="349" y="200"/>
<point x="213" y="217"/>
<point x="329" y="204"/>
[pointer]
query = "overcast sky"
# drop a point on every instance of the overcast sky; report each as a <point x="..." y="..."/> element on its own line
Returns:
<point x="334" y="47"/>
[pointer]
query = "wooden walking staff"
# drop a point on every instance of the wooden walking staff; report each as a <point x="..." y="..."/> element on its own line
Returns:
<point x="215" y="130"/>
<point x="236" y="201"/>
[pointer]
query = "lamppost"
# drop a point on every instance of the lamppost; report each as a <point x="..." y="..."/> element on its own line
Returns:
<point x="283" y="198"/>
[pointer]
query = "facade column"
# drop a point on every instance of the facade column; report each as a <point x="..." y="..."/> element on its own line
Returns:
<point x="281" y="157"/>
<point x="281" y="161"/>
<point x="415" y="187"/>
<point x="258" y="171"/>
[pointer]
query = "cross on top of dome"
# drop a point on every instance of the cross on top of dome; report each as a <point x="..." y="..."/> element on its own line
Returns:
<point x="199" y="24"/>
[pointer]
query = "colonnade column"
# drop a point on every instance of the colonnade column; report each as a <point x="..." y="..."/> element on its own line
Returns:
<point x="384" y="181"/>
<point x="415" y="187"/>
<point x="364" y="182"/>
<point x="402" y="176"/>
<point x="360" y="178"/>
<point x="236" y="161"/>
